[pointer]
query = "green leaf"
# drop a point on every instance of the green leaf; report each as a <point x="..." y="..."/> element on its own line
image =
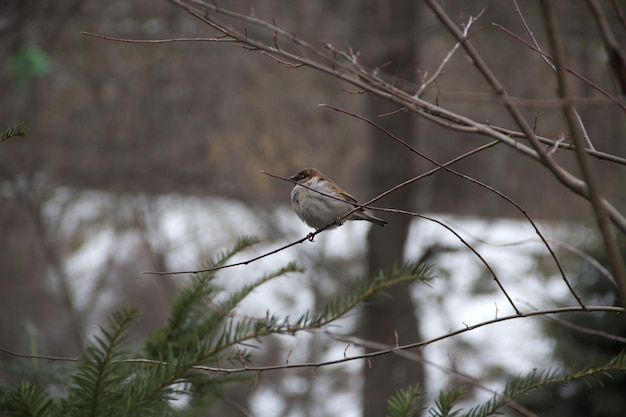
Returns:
<point x="27" y="64"/>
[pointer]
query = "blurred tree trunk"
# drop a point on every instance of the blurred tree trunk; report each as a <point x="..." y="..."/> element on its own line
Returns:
<point x="387" y="29"/>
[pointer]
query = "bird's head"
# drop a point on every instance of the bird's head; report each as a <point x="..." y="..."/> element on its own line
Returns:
<point x="305" y="175"/>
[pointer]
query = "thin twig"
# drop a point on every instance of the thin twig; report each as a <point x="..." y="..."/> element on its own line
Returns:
<point x="445" y="369"/>
<point x="470" y="247"/>
<point x="546" y="59"/>
<point x="368" y="355"/>
<point x="111" y="38"/>
<point x="448" y="56"/>
<point x="601" y="269"/>
<point x="567" y="146"/>
<point x="551" y="65"/>
<point x="568" y="69"/>
<point x="246" y="262"/>
<point x="582" y="329"/>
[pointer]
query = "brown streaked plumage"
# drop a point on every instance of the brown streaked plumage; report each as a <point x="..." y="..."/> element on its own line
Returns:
<point x="319" y="211"/>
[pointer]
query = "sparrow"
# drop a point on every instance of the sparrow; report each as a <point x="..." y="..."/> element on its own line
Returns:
<point x="319" y="211"/>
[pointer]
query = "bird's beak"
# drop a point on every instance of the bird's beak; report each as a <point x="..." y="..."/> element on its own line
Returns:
<point x="293" y="178"/>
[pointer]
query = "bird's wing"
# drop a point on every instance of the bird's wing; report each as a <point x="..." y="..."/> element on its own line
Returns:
<point x="349" y="198"/>
<point x="335" y="189"/>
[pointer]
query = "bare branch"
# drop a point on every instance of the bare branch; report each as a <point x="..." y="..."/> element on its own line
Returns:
<point x="111" y="38"/>
<point x="445" y="369"/>
<point x="562" y="145"/>
<point x="448" y="56"/>
<point x="570" y="70"/>
<point x="364" y="356"/>
<point x="546" y="59"/>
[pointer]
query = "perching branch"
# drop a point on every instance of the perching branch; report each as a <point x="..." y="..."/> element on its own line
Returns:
<point x="346" y="358"/>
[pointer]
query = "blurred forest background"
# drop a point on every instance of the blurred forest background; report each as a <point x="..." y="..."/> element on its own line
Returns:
<point x="191" y="119"/>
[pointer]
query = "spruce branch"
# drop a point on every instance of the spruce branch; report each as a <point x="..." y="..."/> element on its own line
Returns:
<point x="15" y="130"/>
<point x="535" y="380"/>
<point x="445" y="403"/>
<point x="191" y="319"/>
<point x="402" y="404"/>
<point x="239" y="329"/>
<point x="28" y="400"/>
<point x="95" y="386"/>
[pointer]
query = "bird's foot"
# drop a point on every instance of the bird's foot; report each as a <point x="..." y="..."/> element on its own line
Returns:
<point x="311" y="237"/>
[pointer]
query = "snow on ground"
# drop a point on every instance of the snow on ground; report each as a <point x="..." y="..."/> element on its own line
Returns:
<point x="192" y="229"/>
